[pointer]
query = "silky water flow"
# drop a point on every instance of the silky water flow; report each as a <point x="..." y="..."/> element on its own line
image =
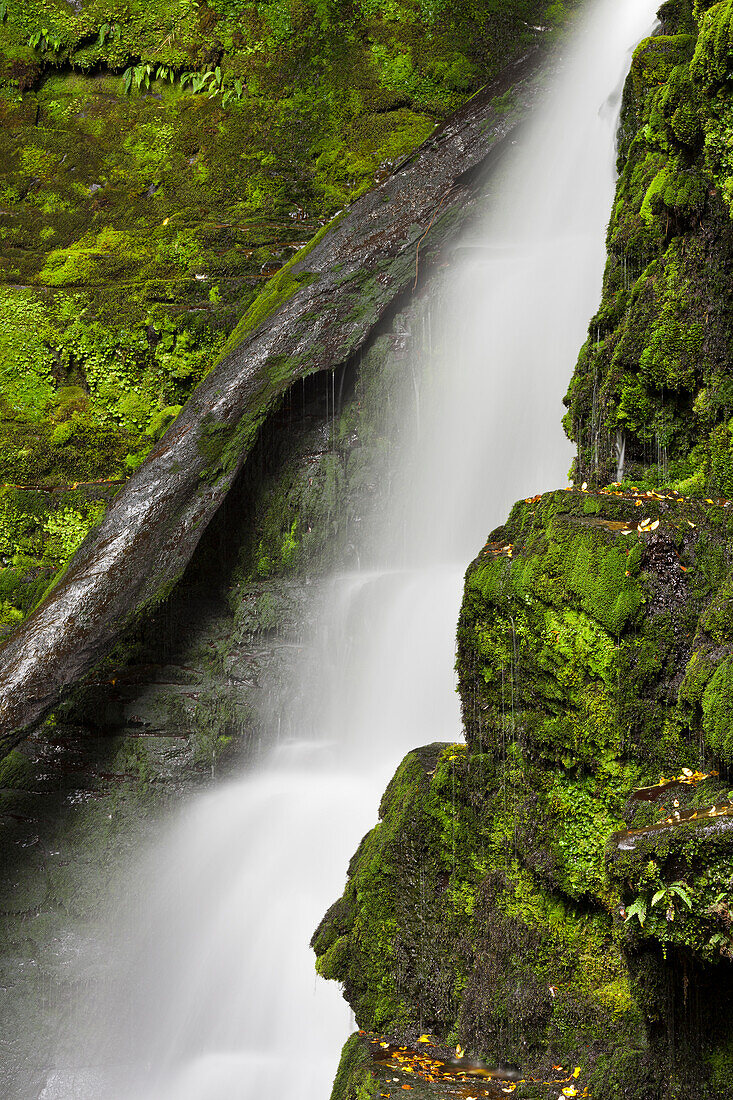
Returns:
<point x="213" y="994"/>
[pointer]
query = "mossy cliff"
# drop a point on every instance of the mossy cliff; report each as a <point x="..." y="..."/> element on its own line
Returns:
<point x="653" y="383"/>
<point x="494" y="905"/>
<point x="159" y="162"/>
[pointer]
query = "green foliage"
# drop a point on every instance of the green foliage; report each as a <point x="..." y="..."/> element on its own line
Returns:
<point x="638" y="909"/>
<point x="43" y="39"/>
<point x="668" y="895"/>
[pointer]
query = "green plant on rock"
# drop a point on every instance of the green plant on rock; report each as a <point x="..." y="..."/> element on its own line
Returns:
<point x="43" y="39"/>
<point x="667" y="895"/>
<point x="139" y="78"/>
<point x="639" y="909"/>
<point x="107" y="32"/>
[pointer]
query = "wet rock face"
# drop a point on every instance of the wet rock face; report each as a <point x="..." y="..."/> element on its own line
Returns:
<point x="494" y="904"/>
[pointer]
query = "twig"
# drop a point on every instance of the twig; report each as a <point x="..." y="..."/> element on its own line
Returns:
<point x="417" y="250"/>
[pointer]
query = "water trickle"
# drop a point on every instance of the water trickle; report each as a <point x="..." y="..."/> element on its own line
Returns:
<point x="209" y="990"/>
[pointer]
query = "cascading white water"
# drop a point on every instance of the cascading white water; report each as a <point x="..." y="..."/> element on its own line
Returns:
<point x="214" y="995"/>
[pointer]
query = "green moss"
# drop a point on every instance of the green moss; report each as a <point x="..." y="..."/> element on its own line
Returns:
<point x="717" y="707"/>
<point x="354" y="1079"/>
<point x="26" y="386"/>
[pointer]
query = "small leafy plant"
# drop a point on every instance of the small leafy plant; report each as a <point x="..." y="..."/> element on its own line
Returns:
<point x="43" y="40"/>
<point x="638" y="909"/>
<point x="139" y="77"/>
<point x="667" y="895"/>
<point x="108" y="31"/>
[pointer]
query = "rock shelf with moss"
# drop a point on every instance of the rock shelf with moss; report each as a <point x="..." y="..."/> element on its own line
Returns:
<point x="159" y="162"/>
<point x="482" y="908"/>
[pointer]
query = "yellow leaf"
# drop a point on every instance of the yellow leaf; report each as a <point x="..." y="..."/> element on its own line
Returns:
<point x="654" y="525"/>
<point x="424" y="1039"/>
<point x="459" y="1051"/>
<point x="570" y="1091"/>
<point x="576" y="1072"/>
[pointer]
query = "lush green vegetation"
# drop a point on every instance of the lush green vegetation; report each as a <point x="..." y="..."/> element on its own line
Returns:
<point x="160" y="162"/>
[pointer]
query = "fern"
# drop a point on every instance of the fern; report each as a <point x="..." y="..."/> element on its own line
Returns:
<point x="637" y="909"/>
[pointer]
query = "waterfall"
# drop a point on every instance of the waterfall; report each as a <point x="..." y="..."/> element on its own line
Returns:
<point x="212" y="993"/>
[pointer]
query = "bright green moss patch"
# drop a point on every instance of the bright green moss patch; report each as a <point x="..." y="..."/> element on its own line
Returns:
<point x="354" y="1079"/>
<point x="489" y="906"/>
<point x="26" y="385"/>
<point x="717" y="708"/>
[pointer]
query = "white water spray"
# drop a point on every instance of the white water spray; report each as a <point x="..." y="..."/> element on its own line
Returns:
<point x="216" y="996"/>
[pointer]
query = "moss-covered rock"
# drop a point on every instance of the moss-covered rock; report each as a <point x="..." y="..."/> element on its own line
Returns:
<point x="651" y="391"/>
<point x="484" y="908"/>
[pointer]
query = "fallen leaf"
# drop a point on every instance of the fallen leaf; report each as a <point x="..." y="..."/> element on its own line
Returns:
<point x="576" y="1072"/>
<point x="655" y="525"/>
<point x="425" y="1039"/>
<point x="570" y="1091"/>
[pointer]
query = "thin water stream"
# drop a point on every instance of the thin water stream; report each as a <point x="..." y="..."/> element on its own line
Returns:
<point x="210" y="991"/>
